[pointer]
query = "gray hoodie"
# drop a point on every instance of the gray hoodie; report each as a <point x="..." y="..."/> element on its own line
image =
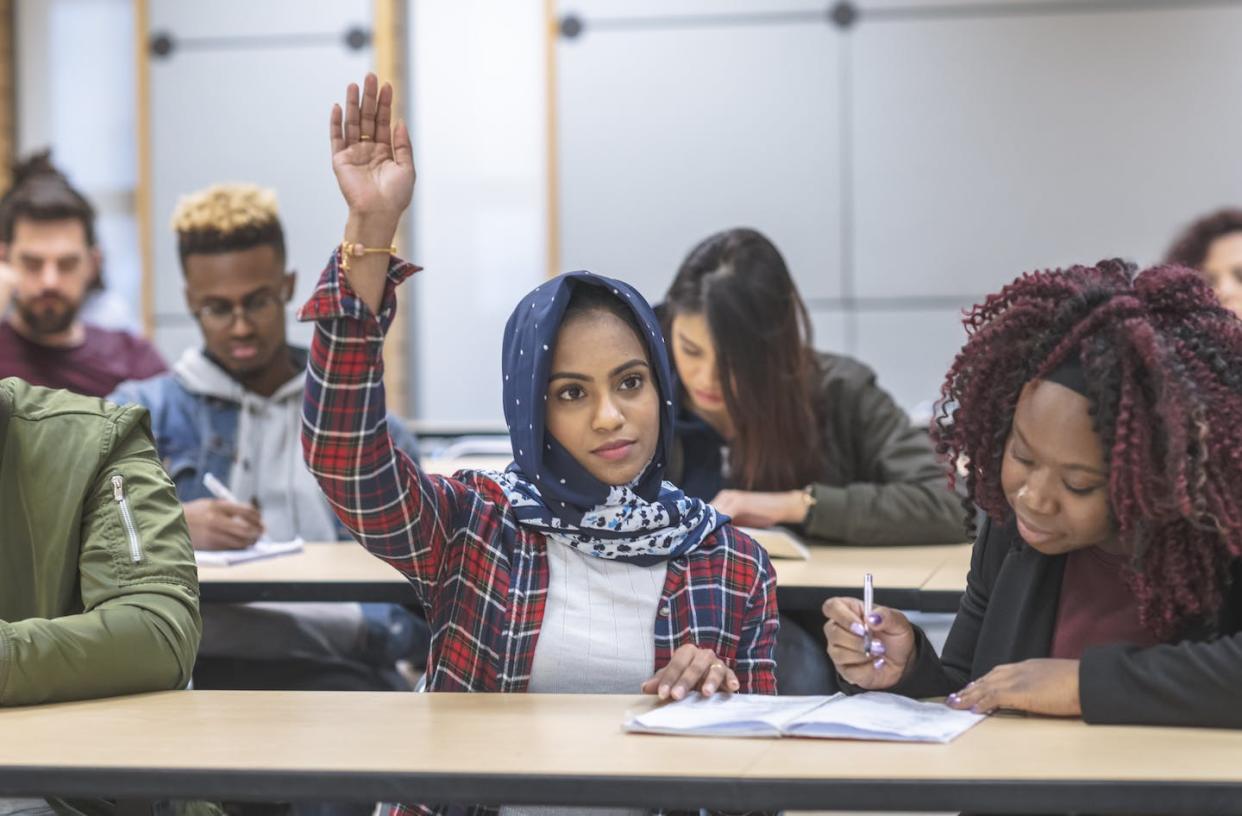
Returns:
<point x="270" y="469"/>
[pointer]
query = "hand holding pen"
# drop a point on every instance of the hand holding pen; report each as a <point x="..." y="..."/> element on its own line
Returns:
<point x="222" y="522"/>
<point x="871" y="646"/>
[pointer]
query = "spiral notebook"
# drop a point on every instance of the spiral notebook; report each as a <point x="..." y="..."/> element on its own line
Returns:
<point x="870" y="716"/>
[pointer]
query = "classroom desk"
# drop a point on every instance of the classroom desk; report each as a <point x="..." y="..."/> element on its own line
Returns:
<point x="328" y="571"/>
<point x="942" y="592"/>
<point x="570" y="750"/>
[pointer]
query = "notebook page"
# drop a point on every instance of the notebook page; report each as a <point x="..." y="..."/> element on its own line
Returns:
<point x="881" y="716"/>
<point x="725" y="715"/>
<point x="263" y="548"/>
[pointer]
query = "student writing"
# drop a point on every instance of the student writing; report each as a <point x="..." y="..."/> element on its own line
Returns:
<point x="1098" y="412"/>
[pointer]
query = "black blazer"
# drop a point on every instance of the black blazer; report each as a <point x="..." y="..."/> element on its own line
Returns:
<point x="1008" y="613"/>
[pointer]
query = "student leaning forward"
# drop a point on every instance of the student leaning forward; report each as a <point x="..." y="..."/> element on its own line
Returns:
<point x="521" y="571"/>
<point x="1097" y="413"/>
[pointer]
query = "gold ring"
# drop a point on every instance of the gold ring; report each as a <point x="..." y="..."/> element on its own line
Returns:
<point x="364" y="138"/>
<point x="717" y="665"/>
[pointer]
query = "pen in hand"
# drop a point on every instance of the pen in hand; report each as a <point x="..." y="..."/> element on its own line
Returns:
<point x="868" y="600"/>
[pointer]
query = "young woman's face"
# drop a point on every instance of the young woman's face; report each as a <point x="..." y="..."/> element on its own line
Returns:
<point x="1223" y="269"/>
<point x="603" y="403"/>
<point x="1054" y="474"/>
<point x="694" y="354"/>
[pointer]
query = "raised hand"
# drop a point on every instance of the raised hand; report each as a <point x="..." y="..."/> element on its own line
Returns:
<point x="374" y="167"/>
<point x="372" y="160"/>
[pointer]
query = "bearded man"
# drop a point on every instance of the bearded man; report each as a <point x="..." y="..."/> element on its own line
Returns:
<point x="49" y="260"/>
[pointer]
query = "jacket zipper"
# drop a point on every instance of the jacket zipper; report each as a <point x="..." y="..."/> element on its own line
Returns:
<point x="127" y="519"/>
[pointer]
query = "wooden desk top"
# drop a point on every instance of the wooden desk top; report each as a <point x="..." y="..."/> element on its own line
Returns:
<point x="945" y="586"/>
<point x="569" y="749"/>
<point x="327" y="571"/>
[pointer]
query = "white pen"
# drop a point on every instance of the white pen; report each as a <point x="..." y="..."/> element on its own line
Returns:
<point x="216" y="488"/>
<point x="868" y="593"/>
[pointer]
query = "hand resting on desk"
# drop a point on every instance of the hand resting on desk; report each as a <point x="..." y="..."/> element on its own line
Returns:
<point x="691" y="669"/>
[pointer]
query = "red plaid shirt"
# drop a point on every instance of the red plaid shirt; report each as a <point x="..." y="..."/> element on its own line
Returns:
<point x="482" y="577"/>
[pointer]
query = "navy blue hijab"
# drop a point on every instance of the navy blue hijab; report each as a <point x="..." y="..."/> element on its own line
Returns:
<point x="643" y="522"/>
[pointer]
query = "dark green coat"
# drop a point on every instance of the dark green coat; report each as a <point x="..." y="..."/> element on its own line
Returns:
<point x="98" y="586"/>
<point x="882" y="483"/>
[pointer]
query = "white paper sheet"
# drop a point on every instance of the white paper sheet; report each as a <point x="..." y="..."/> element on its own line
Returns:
<point x="262" y="548"/>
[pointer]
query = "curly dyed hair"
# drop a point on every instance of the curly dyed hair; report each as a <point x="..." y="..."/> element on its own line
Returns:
<point x="1191" y="247"/>
<point x="1163" y="361"/>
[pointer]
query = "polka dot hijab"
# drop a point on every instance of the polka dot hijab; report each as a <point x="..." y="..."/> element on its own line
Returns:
<point x="643" y="522"/>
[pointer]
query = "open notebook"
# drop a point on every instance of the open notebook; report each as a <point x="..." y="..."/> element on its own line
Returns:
<point x="263" y="548"/>
<point x="870" y="716"/>
<point x="779" y="543"/>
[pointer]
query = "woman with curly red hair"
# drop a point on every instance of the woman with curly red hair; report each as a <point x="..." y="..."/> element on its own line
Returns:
<point x="1096" y="414"/>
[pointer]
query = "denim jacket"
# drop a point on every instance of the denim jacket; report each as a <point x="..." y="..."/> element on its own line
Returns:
<point x="196" y="433"/>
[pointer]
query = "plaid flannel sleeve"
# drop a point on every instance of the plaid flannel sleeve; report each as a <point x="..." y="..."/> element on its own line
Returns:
<point x="755" y="665"/>
<point x="395" y="510"/>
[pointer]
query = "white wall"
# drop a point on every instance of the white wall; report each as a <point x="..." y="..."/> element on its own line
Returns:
<point x="905" y="166"/>
<point x="245" y="96"/>
<point x="480" y="206"/>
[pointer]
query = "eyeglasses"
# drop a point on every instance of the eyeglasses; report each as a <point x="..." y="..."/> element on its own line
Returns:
<point x="221" y="314"/>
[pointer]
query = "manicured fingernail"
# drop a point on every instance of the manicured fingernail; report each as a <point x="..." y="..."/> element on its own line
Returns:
<point x="733" y="684"/>
<point x="857" y="628"/>
<point x="663" y="692"/>
<point x="874" y="619"/>
<point x="879" y="664"/>
<point x="877" y="648"/>
<point x="708" y="690"/>
<point x="678" y="692"/>
<point x="953" y="699"/>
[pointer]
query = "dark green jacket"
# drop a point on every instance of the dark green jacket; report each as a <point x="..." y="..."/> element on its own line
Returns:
<point x="98" y="586"/>
<point x="882" y="483"/>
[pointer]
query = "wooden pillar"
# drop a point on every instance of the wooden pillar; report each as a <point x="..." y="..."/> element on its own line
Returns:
<point x="142" y="195"/>
<point x="388" y="43"/>
<point x="8" y="93"/>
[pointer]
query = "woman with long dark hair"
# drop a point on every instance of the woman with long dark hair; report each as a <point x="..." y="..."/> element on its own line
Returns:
<point x="772" y="431"/>
<point x="775" y="432"/>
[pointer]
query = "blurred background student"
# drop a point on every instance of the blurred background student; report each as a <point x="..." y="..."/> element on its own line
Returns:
<point x="771" y="431"/>
<point x="1213" y="245"/>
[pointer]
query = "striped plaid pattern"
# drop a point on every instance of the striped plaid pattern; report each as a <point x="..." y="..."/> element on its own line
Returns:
<point x="483" y="578"/>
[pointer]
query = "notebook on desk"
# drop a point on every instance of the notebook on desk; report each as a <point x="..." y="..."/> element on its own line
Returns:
<point x="263" y="548"/>
<point x="870" y="716"/>
<point x="779" y="543"/>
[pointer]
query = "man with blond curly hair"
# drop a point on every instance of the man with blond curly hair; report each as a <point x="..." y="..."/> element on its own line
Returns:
<point x="232" y="408"/>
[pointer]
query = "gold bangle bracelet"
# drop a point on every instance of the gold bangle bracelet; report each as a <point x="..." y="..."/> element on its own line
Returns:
<point x="350" y="249"/>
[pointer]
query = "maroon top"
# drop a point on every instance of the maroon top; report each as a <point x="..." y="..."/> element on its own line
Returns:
<point x="1096" y="606"/>
<point x="104" y="360"/>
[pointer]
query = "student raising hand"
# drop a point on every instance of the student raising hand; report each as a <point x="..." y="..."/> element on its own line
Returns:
<point x="374" y="166"/>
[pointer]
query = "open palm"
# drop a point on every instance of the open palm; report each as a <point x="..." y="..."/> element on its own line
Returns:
<point x="372" y="160"/>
